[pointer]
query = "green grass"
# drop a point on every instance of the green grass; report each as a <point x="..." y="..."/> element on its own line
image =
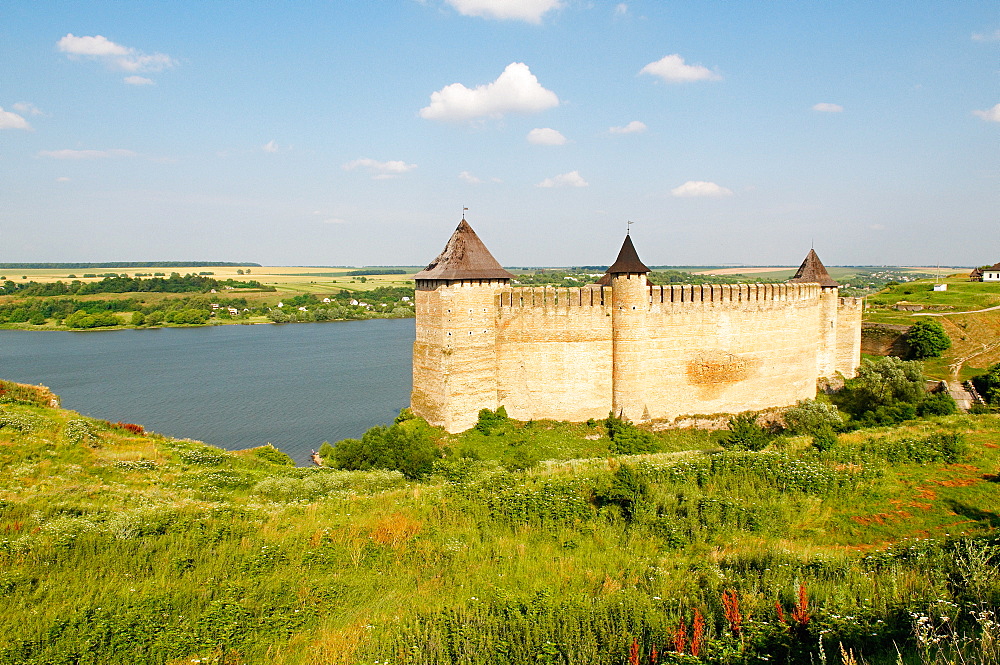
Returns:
<point x="117" y="547"/>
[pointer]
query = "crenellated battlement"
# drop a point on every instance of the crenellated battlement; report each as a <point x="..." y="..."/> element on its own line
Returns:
<point x="546" y="297"/>
<point x="732" y="293"/>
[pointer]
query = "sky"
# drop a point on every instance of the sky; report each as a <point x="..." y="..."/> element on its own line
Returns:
<point x="355" y="133"/>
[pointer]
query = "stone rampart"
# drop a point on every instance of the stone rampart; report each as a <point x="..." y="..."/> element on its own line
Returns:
<point x="648" y="352"/>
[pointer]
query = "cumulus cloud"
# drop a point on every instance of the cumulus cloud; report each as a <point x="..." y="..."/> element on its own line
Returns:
<point x="380" y="170"/>
<point x="29" y="108"/>
<point x="113" y="55"/>
<point x="634" y="127"/>
<point x="86" y="154"/>
<point x="469" y="178"/>
<point x="270" y="146"/>
<point x="137" y="80"/>
<point x="11" y="120"/>
<point x="621" y="9"/>
<point x="672" y="69"/>
<point x="700" y="188"/>
<point x="517" y="10"/>
<point x="571" y="179"/>
<point x="826" y="107"/>
<point x="989" y="115"/>
<point x="986" y="36"/>
<point x="546" y="136"/>
<point x="515" y="90"/>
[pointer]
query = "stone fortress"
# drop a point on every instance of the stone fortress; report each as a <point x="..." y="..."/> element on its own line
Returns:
<point x="621" y="345"/>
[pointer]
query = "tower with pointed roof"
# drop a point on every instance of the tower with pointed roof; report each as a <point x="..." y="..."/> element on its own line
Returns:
<point x="455" y="354"/>
<point x="629" y="337"/>
<point x="643" y="351"/>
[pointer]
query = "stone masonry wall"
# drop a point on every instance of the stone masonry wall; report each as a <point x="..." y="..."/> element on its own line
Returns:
<point x="548" y="353"/>
<point x="554" y="353"/>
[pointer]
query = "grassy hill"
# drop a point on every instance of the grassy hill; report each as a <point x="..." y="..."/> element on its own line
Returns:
<point x="123" y="546"/>
<point x="975" y="334"/>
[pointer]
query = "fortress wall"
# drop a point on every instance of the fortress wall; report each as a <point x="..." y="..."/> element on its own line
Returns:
<point x="554" y="353"/>
<point x="730" y="348"/>
<point x="849" y="311"/>
<point x="454" y="353"/>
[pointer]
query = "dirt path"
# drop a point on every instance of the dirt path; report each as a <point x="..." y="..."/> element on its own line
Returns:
<point x="975" y="311"/>
<point x="956" y="367"/>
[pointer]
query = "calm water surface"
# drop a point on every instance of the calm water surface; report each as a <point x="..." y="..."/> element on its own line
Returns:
<point x="293" y="385"/>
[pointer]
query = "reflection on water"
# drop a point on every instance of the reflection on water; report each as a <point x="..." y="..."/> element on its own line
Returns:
<point x="293" y="385"/>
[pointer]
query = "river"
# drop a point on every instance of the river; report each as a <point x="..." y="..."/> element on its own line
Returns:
<point x="233" y="386"/>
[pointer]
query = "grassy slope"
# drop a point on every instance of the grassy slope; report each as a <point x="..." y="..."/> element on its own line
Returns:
<point x="125" y="548"/>
<point x="975" y="337"/>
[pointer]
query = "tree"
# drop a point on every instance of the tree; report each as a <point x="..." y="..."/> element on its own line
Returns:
<point x="927" y="339"/>
<point x="988" y="384"/>
<point x="405" y="446"/>
<point x="809" y="416"/>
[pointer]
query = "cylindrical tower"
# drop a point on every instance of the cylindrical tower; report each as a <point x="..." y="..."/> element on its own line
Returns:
<point x="629" y="338"/>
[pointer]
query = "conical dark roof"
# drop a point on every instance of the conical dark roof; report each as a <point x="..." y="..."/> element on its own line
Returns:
<point x="464" y="257"/>
<point x="628" y="259"/>
<point x="812" y="271"/>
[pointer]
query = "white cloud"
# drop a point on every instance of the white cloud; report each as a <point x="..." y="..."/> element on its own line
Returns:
<point x="29" y="108"/>
<point x="380" y="170"/>
<point x="515" y="90"/>
<point x="96" y="46"/>
<point x="571" y="179"/>
<point x="518" y="10"/>
<point x="469" y="178"/>
<point x="989" y="115"/>
<point x="696" y="188"/>
<point x="137" y="80"/>
<point x="86" y="154"/>
<point x="672" y="69"/>
<point x="11" y="120"/>
<point x="986" y="37"/>
<point x="62" y="179"/>
<point x="114" y="55"/>
<point x="270" y="146"/>
<point x="634" y="127"/>
<point x="621" y="9"/>
<point x="546" y="136"/>
<point x="877" y="227"/>
<point x="826" y="107"/>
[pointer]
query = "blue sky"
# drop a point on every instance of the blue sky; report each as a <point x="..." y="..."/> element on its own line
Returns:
<point x="345" y="133"/>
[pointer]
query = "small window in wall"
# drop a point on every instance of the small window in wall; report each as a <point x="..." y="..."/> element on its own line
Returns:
<point x="449" y="334"/>
<point x="470" y="332"/>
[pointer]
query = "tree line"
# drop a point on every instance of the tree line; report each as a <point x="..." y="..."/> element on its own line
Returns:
<point x="175" y="283"/>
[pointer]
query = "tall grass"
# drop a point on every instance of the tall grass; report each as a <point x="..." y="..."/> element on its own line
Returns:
<point x="122" y="547"/>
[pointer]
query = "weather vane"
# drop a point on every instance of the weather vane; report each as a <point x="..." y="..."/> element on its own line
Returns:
<point x="463" y="211"/>
<point x="627" y="225"/>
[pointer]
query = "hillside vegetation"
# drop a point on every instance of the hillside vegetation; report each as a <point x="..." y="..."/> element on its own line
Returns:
<point x="124" y="546"/>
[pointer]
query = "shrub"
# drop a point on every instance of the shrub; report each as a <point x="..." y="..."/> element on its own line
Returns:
<point x="824" y="438"/>
<point x="269" y="453"/>
<point x="491" y="420"/>
<point x="745" y="434"/>
<point x="406" y="447"/>
<point x="927" y="339"/>
<point x="809" y="416"/>
<point x="627" y="439"/>
<point x="940" y="403"/>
